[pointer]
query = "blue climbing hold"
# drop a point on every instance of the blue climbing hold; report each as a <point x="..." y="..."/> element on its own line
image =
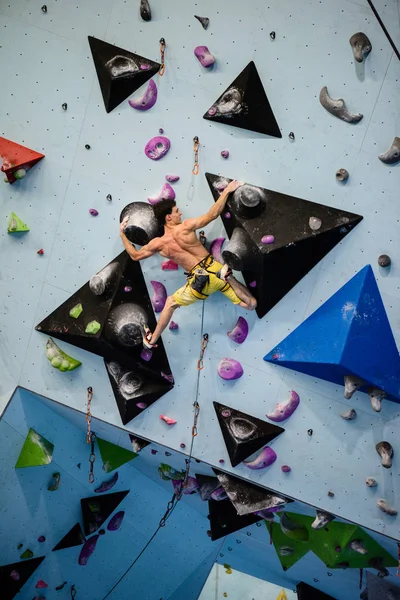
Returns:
<point x="348" y="335"/>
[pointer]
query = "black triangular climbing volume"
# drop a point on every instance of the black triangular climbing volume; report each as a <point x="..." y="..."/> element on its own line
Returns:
<point x="224" y="519"/>
<point x="74" y="537"/>
<point x="14" y="576"/>
<point x="271" y="238"/>
<point x="97" y="509"/>
<point x="245" y="104"/>
<point x="119" y="71"/>
<point x="244" y="434"/>
<point x="118" y="300"/>
<point x="307" y="592"/>
<point x="207" y="485"/>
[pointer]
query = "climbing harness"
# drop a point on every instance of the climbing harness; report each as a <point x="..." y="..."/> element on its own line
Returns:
<point x="162" y="52"/>
<point x="178" y="494"/>
<point x="90" y="436"/>
<point x="196" y="146"/>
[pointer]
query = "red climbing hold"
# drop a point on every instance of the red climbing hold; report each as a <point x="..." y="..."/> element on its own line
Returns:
<point x="15" y="158"/>
<point x="41" y="251"/>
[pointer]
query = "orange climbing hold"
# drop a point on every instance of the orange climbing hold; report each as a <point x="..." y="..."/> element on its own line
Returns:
<point x="17" y="159"/>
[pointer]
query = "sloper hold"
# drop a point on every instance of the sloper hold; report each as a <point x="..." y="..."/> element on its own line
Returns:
<point x="224" y="519"/>
<point x="119" y="71"/>
<point x="74" y="537"/>
<point x="307" y="592"/>
<point x="119" y="341"/>
<point x="278" y="267"/>
<point x="247" y="497"/>
<point x="245" y="104"/>
<point x="356" y="319"/>
<point x="8" y="585"/>
<point x="97" y="509"/>
<point x="381" y="589"/>
<point x="243" y="434"/>
<point x="36" y="451"/>
<point x="113" y="456"/>
<point x="15" y="157"/>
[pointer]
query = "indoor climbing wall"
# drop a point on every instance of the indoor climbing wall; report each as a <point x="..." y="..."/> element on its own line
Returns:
<point x="318" y="207"/>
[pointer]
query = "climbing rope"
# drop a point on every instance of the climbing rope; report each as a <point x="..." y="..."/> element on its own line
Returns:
<point x="88" y="413"/>
<point x="196" y="146"/>
<point x="177" y="495"/>
<point x="90" y="435"/>
<point x="162" y="52"/>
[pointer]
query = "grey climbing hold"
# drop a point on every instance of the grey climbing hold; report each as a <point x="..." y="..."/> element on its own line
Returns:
<point x="385" y="451"/>
<point x="350" y="415"/>
<point x="371" y="482"/>
<point x="376" y="396"/>
<point x="361" y="46"/>
<point x="322" y="519"/>
<point x="145" y="11"/>
<point x="352" y="383"/>
<point x="391" y="156"/>
<point x="384" y="260"/>
<point x="337" y="107"/>
<point x="205" y="21"/>
<point x="386" y="508"/>
<point x="342" y="175"/>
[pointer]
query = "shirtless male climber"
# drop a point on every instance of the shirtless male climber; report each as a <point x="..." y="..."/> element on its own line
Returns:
<point x="179" y="243"/>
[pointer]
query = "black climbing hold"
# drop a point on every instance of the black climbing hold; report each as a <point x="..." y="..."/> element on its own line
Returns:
<point x="207" y="485"/>
<point x="119" y="340"/>
<point x="79" y="465"/>
<point x="224" y="519"/>
<point x="102" y="531"/>
<point x="168" y="454"/>
<point x="120" y="72"/>
<point x="109" y="197"/>
<point x="272" y="35"/>
<point x="145" y="11"/>
<point x="87" y="146"/>
<point x="244" y="434"/>
<point x="307" y="592"/>
<point x="331" y="494"/>
<point x="384" y="260"/>
<point x="97" y="509"/>
<point x="203" y="20"/>
<point x="256" y="212"/>
<point x="60" y="587"/>
<point x="8" y="585"/>
<point x="44" y="8"/>
<point x="74" y="537"/>
<point x="142" y="225"/>
<point x="291" y="135"/>
<point x="247" y="497"/>
<point x="310" y="432"/>
<point x="64" y="106"/>
<point x="245" y="104"/>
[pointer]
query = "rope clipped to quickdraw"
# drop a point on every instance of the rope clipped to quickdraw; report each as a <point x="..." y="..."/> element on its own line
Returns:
<point x="162" y="52"/>
<point x="204" y="343"/>
<point x="90" y="435"/>
<point x="196" y="146"/>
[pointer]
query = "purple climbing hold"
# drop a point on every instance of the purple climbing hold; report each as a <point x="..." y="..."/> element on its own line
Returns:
<point x="15" y="575"/>
<point x="157" y="147"/>
<point x="161" y="131"/>
<point x="240" y="331"/>
<point x="182" y="445"/>
<point x="127" y="289"/>
<point x="41" y="539"/>
<point x="93" y="212"/>
<point x="172" y="178"/>
<point x="88" y="549"/>
<point x="227" y="215"/>
<point x="173" y="326"/>
<point x="146" y="355"/>
<point x="204" y="56"/>
<point x="146" y="100"/>
<point x="253" y="284"/>
<point x="266" y="457"/>
<point x="285" y="409"/>
<point x="159" y="297"/>
<point x="154" y="451"/>
<point x="230" y="369"/>
<point x="169" y="377"/>
<point x="141" y="405"/>
<point x="107" y="485"/>
<point x="167" y="193"/>
<point x="285" y="469"/>
<point x="216" y="247"/>
<point x="116" y="521"/>
<point x="225" y="153"/>
<point x="268" y="239"/>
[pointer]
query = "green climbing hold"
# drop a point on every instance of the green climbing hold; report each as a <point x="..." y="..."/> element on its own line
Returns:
<point x="167" y="473"/>
<point x="35" y="452"/>
<point x="55" y="482"/>
<point x="113" y="456"/>
<point x="59" y="359"/>
<point x="93" y="327"/>
<point x="15" y="225"/>
<point x="27" y="554"/>
<point x="76" y="311"/>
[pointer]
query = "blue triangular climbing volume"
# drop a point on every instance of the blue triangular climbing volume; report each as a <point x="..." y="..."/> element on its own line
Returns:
<point x="348" y="335"/>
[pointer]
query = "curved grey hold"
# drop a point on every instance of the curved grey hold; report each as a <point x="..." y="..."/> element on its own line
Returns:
<point x="350" y="415"/>
<point x="248" y="201"/>
<point x="361" y="46"/>
<point x="337" y="107"/>
<point x="125" y="324"/>
<point x="391" y="156"/>
<point x="145" y="11"/>
<point x="385" y="451"/>
<point x="386" y="508"/>
<point x="122" y="66"/>
<point x="129" y="383"/>
<point x="240" y="252"/>
<point x="342" y="175"/>
<point x="358" y="546"/>
<point x="142" y="226"/>
<point x="105" y="280"/>
<point x="352" y="383"/>
<point x="371" y="482"/>
<point x="285" y="550"/>
<point x="376" y="396"/>
<point x="322" y="519"/>
<point x="230" y="104"/>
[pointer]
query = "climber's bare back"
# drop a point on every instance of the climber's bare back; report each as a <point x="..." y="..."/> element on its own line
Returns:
<point x="182" y="246"/>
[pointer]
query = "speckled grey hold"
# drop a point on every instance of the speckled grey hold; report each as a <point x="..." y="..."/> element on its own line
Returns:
<point x="342" y="175"/>
<point x="145" y="11"/>
<point x="376" y="396"/>
<point x="315" y="223"/>
<point x="337" y="107"/>
<point x="352" y="383"/>
<point x="358" y="546"/>
<point x="125" y="324"/>
<point x="391" y="156"/>
<point x="205" y="21"/>
<point x="350" y="415"/>
<point x="385" y="451"/>
<point x="105" y="280"/>
<point x="322" y="519"/>
<point x="361" y="46"/>
<point x="285" y="550"/>
<point x="371" y="482"/>
<point x="384" y="260"/>
<point x="142" y="225"/>
<point x="386" y="508"/>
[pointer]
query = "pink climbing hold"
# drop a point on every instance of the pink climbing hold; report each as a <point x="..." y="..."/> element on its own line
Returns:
<point x="159" y="297"/>
<point x="167" y="420"/>
<point x="93" y="212"/>
<point x="41" y="585"/>
<point x="253" y="284"/>
<point x="268" y="239"/>
<point x="169" y="265"/>
<point x="173" y="326"/>
<point x="225" y="153"/>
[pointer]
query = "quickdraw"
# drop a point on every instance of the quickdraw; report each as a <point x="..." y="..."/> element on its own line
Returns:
<point x="92" y="457"/>
<point x="162" y="52"/>
<point x="200" y="364"/>
<point x="196" y="146"/>
<point x="90" y="435"/>
<point x="88" y="413"/>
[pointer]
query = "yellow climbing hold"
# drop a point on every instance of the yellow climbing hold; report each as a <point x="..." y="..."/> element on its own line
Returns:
<point x="282" y="595"/>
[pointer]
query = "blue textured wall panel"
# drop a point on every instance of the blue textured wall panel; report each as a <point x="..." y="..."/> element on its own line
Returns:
<point x="45" y="61"/>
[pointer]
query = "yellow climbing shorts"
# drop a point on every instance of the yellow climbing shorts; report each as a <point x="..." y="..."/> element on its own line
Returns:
<point x="187" y="295"/>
